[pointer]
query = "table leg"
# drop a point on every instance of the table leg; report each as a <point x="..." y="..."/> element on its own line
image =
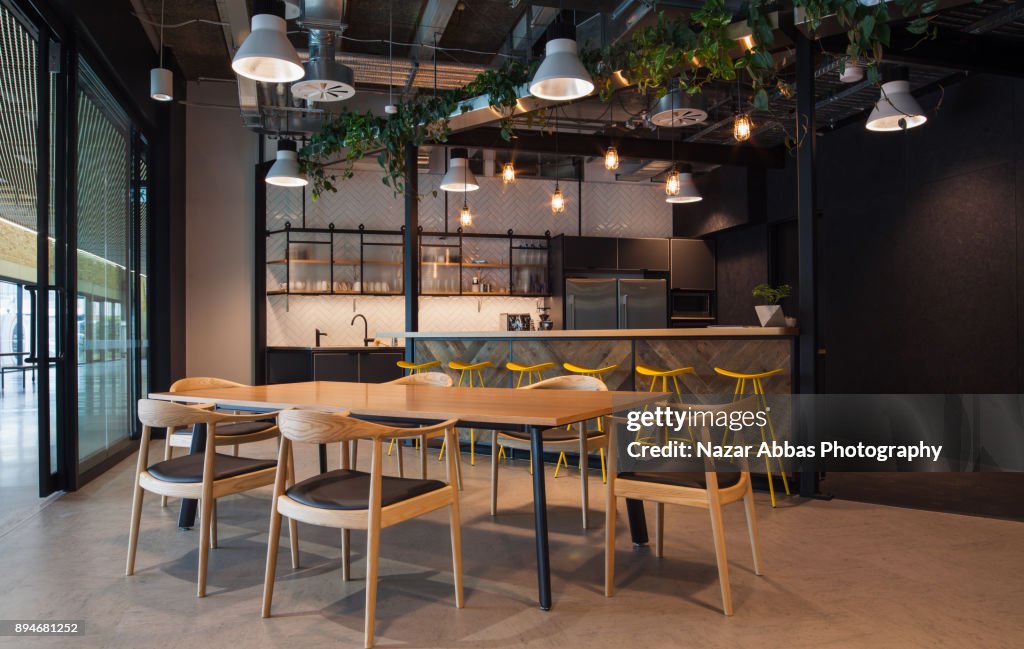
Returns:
<point x="540" y="518"/>
<point x="323" y="457"/>
<point x="637" y="521"/>
<point x="187" y="513"/>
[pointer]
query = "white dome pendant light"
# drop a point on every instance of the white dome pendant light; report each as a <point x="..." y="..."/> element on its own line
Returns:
<point x="561" y="75"/>
<point x="687" y="191"/>
<point x="459" y="177"/>
<point x="896" y="109"/>
<point x="267" y="54"/>
<point x="161" y="80"/>
<point x="285" y="170"/>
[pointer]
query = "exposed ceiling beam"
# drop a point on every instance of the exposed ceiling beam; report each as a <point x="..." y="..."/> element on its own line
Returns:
<point x="996" y="20"/>
<point x="433" y="21"/>
<point x="635" y="148"/>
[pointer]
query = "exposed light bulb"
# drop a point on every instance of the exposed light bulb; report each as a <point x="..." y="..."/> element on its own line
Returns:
<point x="465" y="217"/>
<point x="611" y="159"/>
<point x="508" y="173"/>
<point x="672" y="183"/>
<point x="557" y="202"/>
<point x="742" y="127"/>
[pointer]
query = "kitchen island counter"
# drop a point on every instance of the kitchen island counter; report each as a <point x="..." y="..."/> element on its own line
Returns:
<point x="681" y="332"/>
<point x="741" y="349"/>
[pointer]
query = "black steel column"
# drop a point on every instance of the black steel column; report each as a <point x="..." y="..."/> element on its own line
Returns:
<point x="410" y="261"/>
<point x="807" y="352"/>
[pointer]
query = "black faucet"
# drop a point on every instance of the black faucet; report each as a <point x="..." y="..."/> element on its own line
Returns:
<point x="366" y="329"/>
<point x="319" y="334"/>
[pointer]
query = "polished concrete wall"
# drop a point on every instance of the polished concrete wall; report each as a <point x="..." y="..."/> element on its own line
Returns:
<point x="219" y="235"/>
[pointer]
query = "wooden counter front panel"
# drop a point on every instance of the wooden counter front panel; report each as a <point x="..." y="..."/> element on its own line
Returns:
<point x="742" y="355"/>
<point x="467" y="351"/>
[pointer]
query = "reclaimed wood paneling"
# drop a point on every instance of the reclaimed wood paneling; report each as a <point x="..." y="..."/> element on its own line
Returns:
<point x="585" y="353"/>
<point x="467" y="351"/>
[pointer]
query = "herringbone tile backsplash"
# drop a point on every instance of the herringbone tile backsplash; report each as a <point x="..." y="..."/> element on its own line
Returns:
<point x="608" y="209"/>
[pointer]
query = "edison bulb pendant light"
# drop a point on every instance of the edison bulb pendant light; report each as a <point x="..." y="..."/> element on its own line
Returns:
<point x="508" y="173"/>
<point x="611" y="159"/>
<point x="742" y="127"/>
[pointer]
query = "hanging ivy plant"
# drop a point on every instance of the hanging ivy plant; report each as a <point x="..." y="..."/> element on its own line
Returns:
<point x="687" y="53"/>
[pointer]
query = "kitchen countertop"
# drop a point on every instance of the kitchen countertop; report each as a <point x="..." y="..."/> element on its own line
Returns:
<point x="374" y="348"/>
<point x="689" y="332"/>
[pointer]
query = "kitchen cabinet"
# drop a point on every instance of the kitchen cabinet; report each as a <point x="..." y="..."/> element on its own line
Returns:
<point x="351" y="364"/>
<point x="693" y="265"/>
<point x="590" y="252"/>
<point x="643" y="254"/>
<point x="336" y="366"/>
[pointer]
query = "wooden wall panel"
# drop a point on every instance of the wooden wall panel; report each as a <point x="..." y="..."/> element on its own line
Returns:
<point x="585" y="353"/>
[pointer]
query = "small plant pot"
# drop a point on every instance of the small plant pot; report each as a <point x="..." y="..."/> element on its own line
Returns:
<point x="770" y="315"/>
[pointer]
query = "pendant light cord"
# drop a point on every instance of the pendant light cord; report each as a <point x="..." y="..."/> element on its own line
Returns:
<point x="161" y="33"/>
<point x="391" y="58"/>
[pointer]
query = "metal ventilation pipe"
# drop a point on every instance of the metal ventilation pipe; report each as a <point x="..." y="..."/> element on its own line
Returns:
<point x="326" y="79"/>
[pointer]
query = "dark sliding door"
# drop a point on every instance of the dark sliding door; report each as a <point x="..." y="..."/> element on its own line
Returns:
<point x="74" y="227"/>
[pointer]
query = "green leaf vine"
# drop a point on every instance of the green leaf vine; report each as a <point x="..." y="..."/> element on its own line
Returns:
<point x="685" y="53"/>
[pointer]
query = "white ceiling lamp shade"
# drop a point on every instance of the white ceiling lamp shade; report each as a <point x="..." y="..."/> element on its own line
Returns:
<point x="561" y="75"/>
<point x="267" y="55"/>
<point x="896" y="109"/>
<point x="688" y="192"/>
<point x="161" y="80"/>
<point x="459" y="177"/>
<point x="285" y="170"/>
<point x="161" y="84"/>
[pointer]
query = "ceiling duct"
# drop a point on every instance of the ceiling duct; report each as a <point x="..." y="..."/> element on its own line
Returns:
<point x="678" y="108"/>
<point x="325" y="80"/>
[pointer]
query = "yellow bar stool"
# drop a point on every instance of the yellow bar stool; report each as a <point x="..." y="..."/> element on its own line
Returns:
<point x="413" y="368"/>
<point x="756" y="379"/>
<point x="532" y="374"/>
<point x="416" y="368"/>
<point x="466" y="370"/>
<point x="597" y="373"/>
<point x="657" y="373"/>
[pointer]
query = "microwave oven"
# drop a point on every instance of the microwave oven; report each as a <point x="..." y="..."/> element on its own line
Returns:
<point x="692" y="308"/>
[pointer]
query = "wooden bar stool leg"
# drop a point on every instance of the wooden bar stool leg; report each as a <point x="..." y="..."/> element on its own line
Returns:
<point x="213" y="527"/>
<point x="293" y="525"/>
<point x="423" y="456"/>
<point x="346" y="554"/>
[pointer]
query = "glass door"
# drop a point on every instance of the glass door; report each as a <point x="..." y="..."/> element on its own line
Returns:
<point x="30" y="360"/>
<point x="104" y="224"/>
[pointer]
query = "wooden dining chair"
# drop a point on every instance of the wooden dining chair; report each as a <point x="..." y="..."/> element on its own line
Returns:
<point x="582" y="440"/>
<point x="719" y="484"/>
<point x="202" y="476"/>
<point x="349" y="499"/>
<point x="437" y="379"/>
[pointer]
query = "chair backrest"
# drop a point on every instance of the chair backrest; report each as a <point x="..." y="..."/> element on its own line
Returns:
<point x="203" y="382"/>
<point x="316" y="427"/>
<point x="569" y="382"/>
<point x="439" y="379"/>
<point x="166" y="414"/>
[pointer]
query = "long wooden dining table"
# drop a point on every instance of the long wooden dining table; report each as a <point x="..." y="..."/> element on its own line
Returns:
<point x="530" y="411"/>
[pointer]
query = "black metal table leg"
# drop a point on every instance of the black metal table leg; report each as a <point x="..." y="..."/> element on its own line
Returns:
<point x="323" y="457"/>
<point x="637" y="521"/>
<point x="540" y="518"/>
<point x="187" y="513"/>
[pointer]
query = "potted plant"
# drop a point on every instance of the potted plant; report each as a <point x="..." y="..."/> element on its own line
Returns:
<point x="770" y="313"/>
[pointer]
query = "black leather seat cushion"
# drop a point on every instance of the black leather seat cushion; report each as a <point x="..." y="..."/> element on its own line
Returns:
<point x="728" y="475"/>
<point x="559" y="434"/>
<point x="244" y="428"/>
<point x="189" y="468"/>
<point x="346" y="489"/>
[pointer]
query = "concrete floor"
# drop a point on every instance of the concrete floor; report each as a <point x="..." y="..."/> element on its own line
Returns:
<point x="837" y="574"/>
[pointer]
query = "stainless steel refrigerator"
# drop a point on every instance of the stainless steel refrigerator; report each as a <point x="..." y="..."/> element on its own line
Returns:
<point x="616" y="304"/>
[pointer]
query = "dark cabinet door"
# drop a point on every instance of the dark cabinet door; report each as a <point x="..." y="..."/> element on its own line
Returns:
<point x="379" y="367"/>
<point x="336" y="366"/>
<point x="289" y="366"/>
<point x="590" y="252"/>
<point x="643" y="254"/>
<point x="693" y="265"/>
